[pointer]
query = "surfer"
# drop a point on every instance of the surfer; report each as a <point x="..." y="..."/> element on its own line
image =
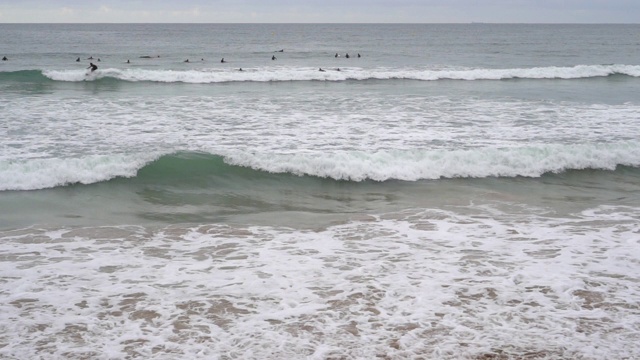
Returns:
<point x="273" y="57"/>
<point x="186" y="60"/>
<point x="93" y="67"/>
<point x="4" y="58"/>
<point x="78" y="60"/>
<point x="128" y="62"/>
<point x="347" y="56"/>
<point x="358" y="54"/>
<point x="336" y="55"/>
<point x="222" y="60"/>
<point x="320" y="69"/>
<point x="90" y="58"/>
<point x="240" y="69"/>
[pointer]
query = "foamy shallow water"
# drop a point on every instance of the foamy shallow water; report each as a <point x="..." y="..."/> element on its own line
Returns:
<point x="475" y="282"/>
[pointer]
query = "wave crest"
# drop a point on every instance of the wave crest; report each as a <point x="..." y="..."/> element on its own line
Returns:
<point x="34" y="174"/>
<point x="204" y="76"/>
<point x="403" y="165"/>
<point x="436" y="164"/>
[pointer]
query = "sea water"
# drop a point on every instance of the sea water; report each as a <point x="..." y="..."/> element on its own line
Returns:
<point x="445" y="192"/>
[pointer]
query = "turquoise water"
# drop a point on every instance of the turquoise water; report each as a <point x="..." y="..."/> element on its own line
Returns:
<point x="457" y="191"/>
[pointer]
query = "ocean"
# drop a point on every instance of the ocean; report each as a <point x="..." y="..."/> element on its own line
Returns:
<point x="328" y="191"/>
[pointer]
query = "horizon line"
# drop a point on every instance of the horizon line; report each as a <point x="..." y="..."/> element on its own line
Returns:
<point x="321" y="23"/>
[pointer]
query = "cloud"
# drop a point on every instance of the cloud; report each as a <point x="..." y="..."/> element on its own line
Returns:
<point x="189" y="13"/>
<point x="67" y="11"/>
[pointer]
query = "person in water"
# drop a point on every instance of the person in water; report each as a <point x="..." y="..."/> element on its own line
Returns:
<point x="78" y="60"/>
<point x="4" y="58"/>
<point x="93" y="67"/>
<point x="222" y="60"/>
<point x="273" y="57"/>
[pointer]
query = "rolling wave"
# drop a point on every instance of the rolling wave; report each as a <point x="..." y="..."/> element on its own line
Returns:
<point x="183" y="167"/>
<point x="274" y="74"/>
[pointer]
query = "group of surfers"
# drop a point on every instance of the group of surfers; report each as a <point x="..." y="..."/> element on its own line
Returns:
<point x="94" y="67"/>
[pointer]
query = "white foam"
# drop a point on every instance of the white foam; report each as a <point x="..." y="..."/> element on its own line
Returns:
<point x="467" y="283"/>
<point x="266" y="74"/>
<point x="532" y="161"/>
<point x="414" y="165"/>
<point x="35" y="174"/>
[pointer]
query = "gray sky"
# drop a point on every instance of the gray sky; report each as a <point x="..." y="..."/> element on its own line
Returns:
<point x="324" y="11"/>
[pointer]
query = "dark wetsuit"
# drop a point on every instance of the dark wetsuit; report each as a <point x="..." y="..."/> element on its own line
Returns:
<point x="93" y="67"/>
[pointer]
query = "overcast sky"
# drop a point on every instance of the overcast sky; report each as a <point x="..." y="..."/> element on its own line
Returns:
<point x="323" y="11"/>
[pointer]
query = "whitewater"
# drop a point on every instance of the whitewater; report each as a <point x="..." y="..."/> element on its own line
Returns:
<point x="216" y="75"/>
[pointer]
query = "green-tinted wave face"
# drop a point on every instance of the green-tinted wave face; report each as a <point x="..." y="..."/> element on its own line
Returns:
<point x="24" y="76"/>
<point x="202" y="170"/>
<point x="181" y="167"/>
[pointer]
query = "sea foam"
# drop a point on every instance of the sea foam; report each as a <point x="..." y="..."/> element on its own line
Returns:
<point x="415" y="165"/>
<point x="472" y="283"/>
<point x="36" y="174"/>
<point x="409" y="165"/>
<point x="281" y="73"/>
